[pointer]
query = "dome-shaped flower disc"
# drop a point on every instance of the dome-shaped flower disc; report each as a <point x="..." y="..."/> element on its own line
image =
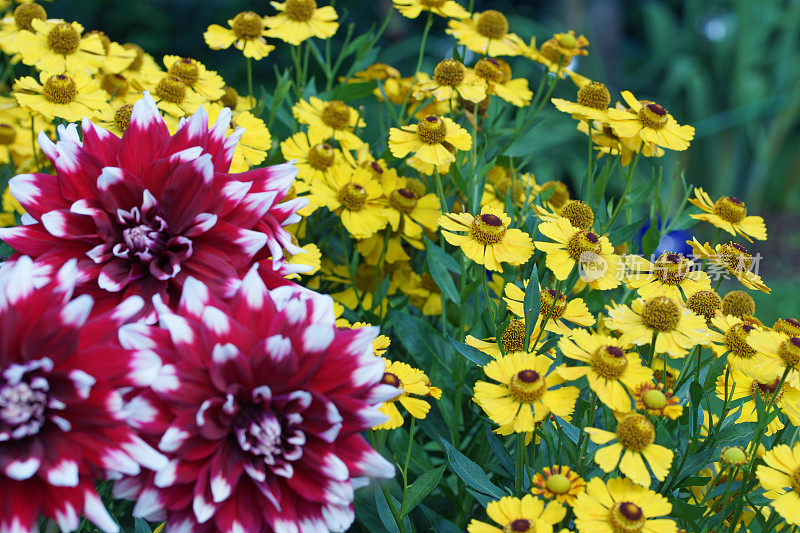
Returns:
<point x="263" y="398"/>
<point x="62" y="418"/>
<point x="143" y="212"/>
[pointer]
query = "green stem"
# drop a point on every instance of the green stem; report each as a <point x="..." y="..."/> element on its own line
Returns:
<point x="428" y="24"/>
<point x="33" y="146"/>
<point x="628" y="180"/>
<point x="249" y="63"/>
<point x="395" y="513"/>
<point x="519" y="469"/>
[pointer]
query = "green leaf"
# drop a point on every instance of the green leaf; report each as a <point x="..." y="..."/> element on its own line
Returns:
<point x="627" y="231"/>
<point x="531" y="304"/>
<point x="499" y="450"/>
<point x="384" y="512"/>
<point x="420" y="488"/>
<point x="696" y="393"/>
<point x="419" y="338"/>
<point x="473" y="354"/>
<point x="353" y="91"/>
<point x="438" y="269"/>
<point x="469" y="472"/>
<point x="140" y="526"/>
<point x="651" y="238"/>
<point x="446" y="259"/>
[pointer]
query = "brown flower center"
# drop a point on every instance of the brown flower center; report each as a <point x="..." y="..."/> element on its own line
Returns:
<point x="789" y="351"/>
<point x="230" y="98"/>
<point x="626" y="517"/>
<point x="139" y="60"/>
<point x="115" y="85"/>
<point x="735" y="258"/>
<point x="730" y="209"/>
<point x="432" y="3"/>
<point x="550" y="299"/>
<point x="8" y="134"/>
<point x="25" y="13"/>
<point x="738" y="304"/>
<point x="635" y="432"/>
<point x="513" y="338"/>
<point x="672" y="268"/>
<point x="704" y="303"/>
<point x="652" y="115"/>
<point x="321" y="156"/>
<point x="794" y="479"/>
<point x="352" y="196"/>
<point x="171" y="89"/>
<point x="527" y="386"/>
<point x="391" y="380"/>
<point x="59" y="89"/>
<point x="122" y="118"/>
<point x="736" y="341"/>
<point x="520" y="525"/>
<point x="734" y="456"/>
<point x="432" y="130"/>
<point x="336" y="115"/>
<point x="609" y="362"/>
<point x="488" y="229"/>
<point x="492" y="24"/>
<point x="594" y="95"/>
<point x="300" y="10"/>
<point x="493" y="69"/>
<point x="404" y="200"/>
<point x="767" y="390"/>
<point x="578" y="213"/>
<point x="247" y="25"/>
<point x="63" y="39"/>
<point x="584" y="246"/>
<point x="186" y="70"/>
<point x="790" y="326"/>
<point x="661" y="314"/>
<point x="449" y="72"/>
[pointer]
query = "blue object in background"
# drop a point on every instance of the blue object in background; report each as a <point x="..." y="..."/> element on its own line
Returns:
<point x="674" y="241"/>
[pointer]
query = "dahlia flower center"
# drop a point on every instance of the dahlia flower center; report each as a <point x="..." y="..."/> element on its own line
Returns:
<point x="789" y="351"/>
<point x="449" y="72"/>
<point x="552" y="303"/>
<point x="635" y="432"/>
<point x="594" y="95"/>
<point x="488" y="228"/>
<point x="671" y="268"/>
<point x="25" y="13"/>
<point x="520" y="525"/>
<point x="513" y="338"/>
<point x="63" y="39"/>
<point x="432" y="130"/>
<point x="661" y="314"/>
<point x="578" y="213"/>
<point x="609" y="362"/>
<point x="790" y="326"/>
<point x="738" y="304"/>
<point x="735" y="258"/>
<point x="654" y="399"/>
<point x="144" y="238"/>
<point x="261" y="435"/>
<point x="404" y="200"/>
<point x="626" y="517"/>
<point x="230" y="98"/>
<point x="59" y="89"/>
<point x="736" y="340"/>
<point x="122" y="117"/>
<point x="704" y="303"/>
<point x="558" y="484"/>
<point x="492" y="24"/>
<point x="300" y="10"/>
<point x="171" y="89"/>
<point x="8" y="134"/>
<point x="321" y="156"/>
<point x="352" y="196"/>
<point x="115" y="84"/>
<point x="584" y="246"/>
<point x="652" y="116"/>
<point x="247" y="25"/>
<point x="186" y="70"/>
<point x="336" y="115"/>
<point x="527" y="386"/>
<point x="493" y="69"/>
<point x="24" y="399"/>
<point x="730" y="209"/>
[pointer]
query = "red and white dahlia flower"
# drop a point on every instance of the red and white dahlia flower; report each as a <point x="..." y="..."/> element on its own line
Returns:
<point x="62" y="419"/>
<point x="143" y="212"/>
<point x="264" y="399"/>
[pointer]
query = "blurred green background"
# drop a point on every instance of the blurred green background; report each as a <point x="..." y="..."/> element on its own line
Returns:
<point x="728" y="67"/>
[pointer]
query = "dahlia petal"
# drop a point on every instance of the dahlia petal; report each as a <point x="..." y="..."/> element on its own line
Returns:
<point x="22" y="470"/>
<point x="69" y="133"/>
<point x="66" y="516"/>
<point x="148" y="370"/>
<point x="226" y="469"/>
<point x="31" y="240"/>
<point x="65" y="224"/>
<point x="142" y="452"/>
<point x="76" y="312"/>
<point x="144" y="137"/>
<point x="201" y="224"/>
<point x="100" y="142"/>
<point x="127" y="310"/>
<point x="47" y="145"/>
<point x="95" y="511"/>
<point x="119" y="189"/>
<point x="362" y="460"/>
<point x="148" y="504"/>
<point x="187" y="192"/>
<point x="191" y="132"/>
<point x="203" y="510"/>
<point x="115" y="276"/>
<point x="82" y="381"/>
<point x="119" y="461"/>
<point x="194" y="297"/>
<point x="178" y="327"/>
<point x="317" y="337"/>
<point x="37" y="193"/>
<point x="166" y="476"/>
<point x="172" y="439"/>
<point x="63" y="474"/>
<point x="338" y="518"/>
<point x="137" y="336"/>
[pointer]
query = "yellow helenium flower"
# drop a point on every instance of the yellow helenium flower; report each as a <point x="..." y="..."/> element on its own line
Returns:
<point x="311" y="258"/>
<point x="196" y="76"/>
<point x="444" y="8"/>
<point x="68" y="96"/>
<point x="564" y="46"/>
<point x="634" y="449"/>
<point x="608" y="367"/>
<point x="678" y="329"/>
<point x="422" y="291"/>
<point x="730" y="214"/>
<point x="598" y="265"/>
<point x="608" y="143"/>
<point x="735" y="258"/>
<point x="409" y="211"/>
<point x="733" y="340"/>
<point x="428" y="139"/>
<point x="592" y="103"/>
<point x="314" y="158"/>
<point x="558" y="483"/>
<point x="143" y="68"/>
<point x="246" y="33"/>
<point x="450" y="80"/>
<point x="255" y="140"/>
<point x="333" y="120"/>
<point x="526" y="392"/>
<point x="526" y="514"/>
<point x="553" y="303"/>
<point x="579" y="214"/>
<point x="174" y="97"/>
<point x="671" y="275"/>
<point x="650" y="397"/>
<point x="486" y="33"/>
<point x="497" y="74"/>
<point x="411" y="382"/>
<point x="12" y="24"/>
<point x="488" y="240"/>
<point x="360" y="288"/>
<point x="117" y="57"/>
<point x="299" y="20"/>
<point x="780" y="477"/>
<point x="651" y="123"/>
<point x="512" y="340"/>
<point x="54" y="47"/>
<point x="779" y="346"/>
<point x="500" y="183"/>
<point x="356" y="197"/>
<point x="621" y="506"/>
<point x="372" y="248"/>
<point x="746" y="383"/>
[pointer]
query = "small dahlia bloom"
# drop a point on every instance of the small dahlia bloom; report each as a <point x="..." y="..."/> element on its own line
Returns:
<point x="143" y="212"/>
<point x="263" y="398"/>
<point x="62" y="418"/>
